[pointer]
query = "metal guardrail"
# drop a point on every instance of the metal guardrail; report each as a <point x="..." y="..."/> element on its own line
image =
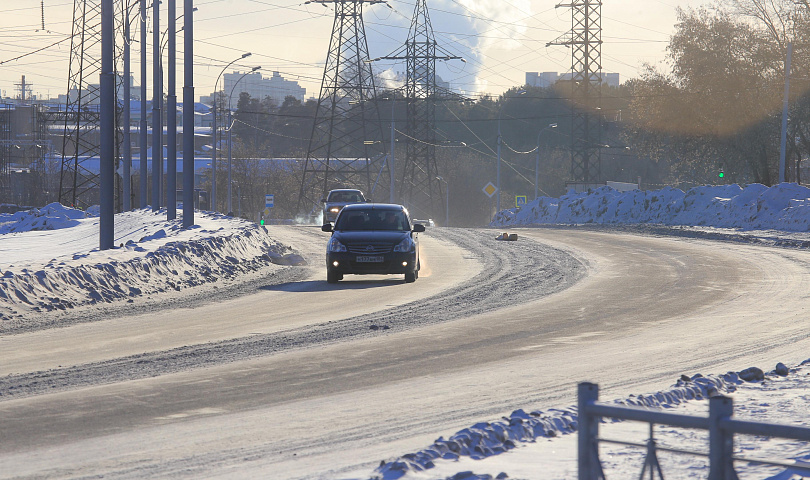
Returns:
<point x="720" y="425"/>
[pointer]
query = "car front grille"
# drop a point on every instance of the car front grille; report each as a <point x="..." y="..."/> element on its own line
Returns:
<point x="370" y="249"/>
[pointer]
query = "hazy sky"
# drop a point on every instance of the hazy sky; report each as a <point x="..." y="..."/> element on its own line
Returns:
<point x="500" y="39"/>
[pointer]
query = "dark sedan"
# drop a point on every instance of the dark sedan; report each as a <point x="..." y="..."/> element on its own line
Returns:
<point x="372" y="239"/>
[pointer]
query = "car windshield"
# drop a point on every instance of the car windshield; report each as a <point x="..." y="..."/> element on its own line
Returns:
<point x="358" y="220"/>
<point x="345" y="197"/>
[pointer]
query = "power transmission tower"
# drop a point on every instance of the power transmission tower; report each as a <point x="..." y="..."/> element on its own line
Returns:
<point x="345" y="148"/>
<point x="79" y="178"/>
<point x="585" y="41"/>
<point x="420" y="187"/>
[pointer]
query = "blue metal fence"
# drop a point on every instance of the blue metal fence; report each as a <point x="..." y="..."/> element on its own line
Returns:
<point x="720" y="425"/>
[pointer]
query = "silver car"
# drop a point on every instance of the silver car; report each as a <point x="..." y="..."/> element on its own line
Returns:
<point x="339" y="198"/>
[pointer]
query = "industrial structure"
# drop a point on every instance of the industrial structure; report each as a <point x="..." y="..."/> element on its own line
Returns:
<point x="345" y="147"/>
<point x="585" y="41"/>
<point x="79" y="183"/>
<point x="420" y="186"/>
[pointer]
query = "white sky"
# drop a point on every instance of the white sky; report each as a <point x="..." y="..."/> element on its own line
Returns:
<point x="500" y="39"/>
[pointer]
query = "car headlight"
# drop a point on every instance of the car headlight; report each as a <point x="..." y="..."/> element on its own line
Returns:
<point x="405" y="245"/>
<point x="334" y="210"/>
<point x="335" y="246"/>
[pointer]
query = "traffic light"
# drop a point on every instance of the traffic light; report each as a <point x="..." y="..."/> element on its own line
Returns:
<point x="261" y="219"/>
<point x="721" y="174"/>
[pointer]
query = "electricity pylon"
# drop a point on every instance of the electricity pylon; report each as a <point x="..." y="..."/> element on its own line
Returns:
<point x="585" y="40"/>
<point x="420" y="187"/>
<point x="79" y="178"/>
<point x="346" y="147"/>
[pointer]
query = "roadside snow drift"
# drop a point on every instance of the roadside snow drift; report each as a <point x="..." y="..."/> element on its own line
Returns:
<point x="58" y="265"/>
<point x="783" y="207"/>
<point x="489" y="439"/>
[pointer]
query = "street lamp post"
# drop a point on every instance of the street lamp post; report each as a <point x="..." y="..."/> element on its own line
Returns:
<point x="127" y="146"/>
<point x="498" y="175"/>
<point x="142" y="133"/>
<point x="171" y="113"/>
<point x="537" y="161"/>
<point x="188" y="115"/>
<point x="171" y="117"/>
<point x="230" y="140"/>
<point x="157" y="120"/>
<point x="214" y="149"/>
<point x="446" y="201"/>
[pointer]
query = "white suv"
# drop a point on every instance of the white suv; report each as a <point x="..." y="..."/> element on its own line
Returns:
<point x="339" y="198"/>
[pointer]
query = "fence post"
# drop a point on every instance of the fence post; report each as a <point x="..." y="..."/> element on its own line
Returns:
<point x="721" y="442"/>
<point x="588" y="432"/>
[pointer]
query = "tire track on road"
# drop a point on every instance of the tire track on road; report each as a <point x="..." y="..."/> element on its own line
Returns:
<point x="512" y="273"/>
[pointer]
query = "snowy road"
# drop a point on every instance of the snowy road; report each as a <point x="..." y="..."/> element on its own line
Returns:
<point x="309" y="380"/>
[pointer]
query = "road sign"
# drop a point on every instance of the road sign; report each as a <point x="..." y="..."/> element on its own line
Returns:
<point x="266" y="211"/>
<point x="490" y="189"/>
<point x="269" y="200"/>
<point x="520" y="201"/>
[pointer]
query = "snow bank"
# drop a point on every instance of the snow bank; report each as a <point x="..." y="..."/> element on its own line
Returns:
<point x="783" y="207"/>
<point x="488" y="439"/>
<point x="58" y="266"/>
<point x="50" y="217"/>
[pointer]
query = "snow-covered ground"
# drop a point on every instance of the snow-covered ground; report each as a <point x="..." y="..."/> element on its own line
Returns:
<point x="784" y="207"/>
<point x="49" y="261"/>
<point x="543" y="444"/>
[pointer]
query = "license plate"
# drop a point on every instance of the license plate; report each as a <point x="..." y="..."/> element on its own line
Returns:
<point x="370" y="259"/>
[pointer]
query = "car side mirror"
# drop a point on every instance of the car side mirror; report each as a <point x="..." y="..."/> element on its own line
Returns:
<point x="326" y="227"/>
<point x="418" y="227"/>
<point x="323" y="200"/>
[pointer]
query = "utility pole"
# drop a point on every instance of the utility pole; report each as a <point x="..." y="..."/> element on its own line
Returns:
<point x="157" y="119"/>
<point x="392" y="196"/>
<point x="171" y="118"/>
<point x="107" y="128"/>
<point x="126" y="174"/>
<point x="144" y="139"/>
<point x="785" y="100"/>
<point x="188" y="114"/>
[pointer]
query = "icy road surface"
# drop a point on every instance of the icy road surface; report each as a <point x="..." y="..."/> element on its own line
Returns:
<point x="309" y="380"/>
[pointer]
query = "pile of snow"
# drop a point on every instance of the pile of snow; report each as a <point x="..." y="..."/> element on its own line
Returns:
<point x="57" y="264"/>
<point x="783" y="207"/>
<point x="50" y="217"/>
<point x="487" y="439"/>
<point x="484" y="446"/>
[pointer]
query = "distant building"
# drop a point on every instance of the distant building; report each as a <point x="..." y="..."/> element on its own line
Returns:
<point x="259" y="87"/>
<point x="542" y="79"/>
<point x="547" y="79"/>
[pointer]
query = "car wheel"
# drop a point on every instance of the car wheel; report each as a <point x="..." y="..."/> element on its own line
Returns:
<point x="333" y="277"/>
<point x="410" y="277"/>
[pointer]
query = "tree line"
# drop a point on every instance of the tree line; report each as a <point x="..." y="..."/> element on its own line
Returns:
<point x="713" y="106"/>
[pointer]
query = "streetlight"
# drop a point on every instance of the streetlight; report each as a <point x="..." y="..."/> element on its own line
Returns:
<point x="537" y="161"/>
<point x="498" y="175"/>
<point x="214" y="151"/>
<point x="230" y="128"/>
<point x="446" y="202"/>
<point x="127" y="141"/>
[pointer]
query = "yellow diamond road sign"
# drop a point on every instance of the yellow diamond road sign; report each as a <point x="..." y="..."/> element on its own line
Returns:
<point x="490" y="189"/>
